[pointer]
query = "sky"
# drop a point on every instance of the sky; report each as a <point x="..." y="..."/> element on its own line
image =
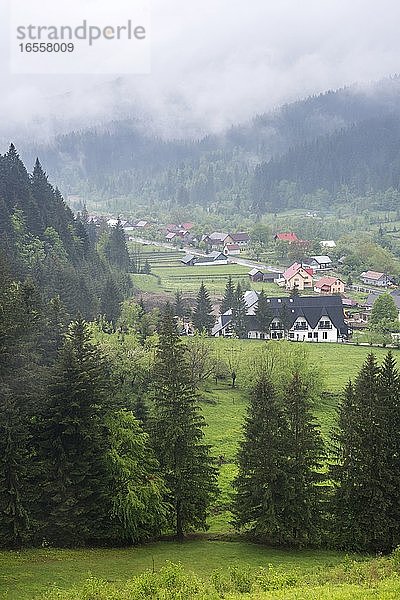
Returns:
<point x="214" y="63"/>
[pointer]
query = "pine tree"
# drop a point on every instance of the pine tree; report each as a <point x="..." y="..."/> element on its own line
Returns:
<point x="239" y="312"/>
<point x="263" y="313"/>
<point x="262" y="482"/>
<point x="111" y="300"/>
<point x="203" y="318"/>
<point x="72" y="442"/>
<point x="179" y="306"/>
<point x="228" y="301"/>
<point x="115" y="248"/>
<point x="362" y="472"/>
<point x="177" y="434"/>
<point x="305" y="450"/>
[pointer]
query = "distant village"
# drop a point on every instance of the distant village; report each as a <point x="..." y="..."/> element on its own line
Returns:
<point x="316" y="303"/>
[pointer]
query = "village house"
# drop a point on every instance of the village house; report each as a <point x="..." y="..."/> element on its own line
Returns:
<point x="329" y="285"/>
<point x="297" y="276"/>
<point x="189" y="260"/>
<point x="302" y="318"/>
<point x="141" y="224"/>
<point x="320" y="263"/>
<point x="256" y="275"/>
<point x="214" y="258"/>
<point x="327" y="244"/>
<point x="241" y="238"/>
<point x="375" y="278"/>
<point x="288" y="236"/>
<point x="232" y="250"/>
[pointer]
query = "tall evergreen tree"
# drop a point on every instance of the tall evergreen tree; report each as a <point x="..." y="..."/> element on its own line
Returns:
<point x="177" y="434"/>
<point x="203" y="318"/>
<point x="228" y="301"/>
<point x="362" y="472"/>
<point x="72" y="444"/>
<point x="115" y="248"/>
<point x="111" y="299"/>
<point x="179" y="305"/>
<point x="305" y="451"/>
<point x="264" y="314"/>
<point x="262" y="482"/>
<point x="239" y="312"/>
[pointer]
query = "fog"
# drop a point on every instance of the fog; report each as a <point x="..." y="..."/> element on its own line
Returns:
<point x="214" y="63"/>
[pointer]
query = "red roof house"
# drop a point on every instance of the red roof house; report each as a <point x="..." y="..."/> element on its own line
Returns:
<point x="286" y="237"/>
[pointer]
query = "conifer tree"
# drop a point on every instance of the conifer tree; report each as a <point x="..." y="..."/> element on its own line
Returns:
<point x="264" y="314"/>
<point x="203" y="318"/>
<point x="228" y="301"/>
<point x="177" y="434"/>
<point x="262" y="482"/>
<point x="111" y="300"/>
<point x="239" y="312"/>
<point x="363" y="495"/>
<point x="305" y="452"/>
<point x="73" y="443"/>
<point x="115" y="248"/>
<point x="179" y="306"/>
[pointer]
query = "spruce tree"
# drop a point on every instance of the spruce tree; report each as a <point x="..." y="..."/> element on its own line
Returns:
<point x="72" y="444"/>
<point x="262" y="484"/>
<point x="263" y="313"/>
<point x="203" y="318"/>
<point x="228" y="301"/>
<point x="239" y="312"/>
<point x="179" y="306"/>
<point x="111" y="300"/>
<point x="115" y="248"/>
<point x="362" y="471"/>
<point x="305" y="452"/>
<point x="177" y="434"/>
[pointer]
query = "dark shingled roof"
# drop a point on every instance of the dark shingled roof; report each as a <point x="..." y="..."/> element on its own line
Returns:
<point x="312" y="308"/>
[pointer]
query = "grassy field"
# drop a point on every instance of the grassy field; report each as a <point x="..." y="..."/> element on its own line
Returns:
<point x="25" y="574"/>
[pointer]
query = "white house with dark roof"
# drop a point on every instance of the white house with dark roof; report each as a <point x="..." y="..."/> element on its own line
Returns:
<point x="302" y="318"/>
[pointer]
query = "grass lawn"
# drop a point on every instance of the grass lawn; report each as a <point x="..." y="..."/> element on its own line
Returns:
<point x="28" y="573"/>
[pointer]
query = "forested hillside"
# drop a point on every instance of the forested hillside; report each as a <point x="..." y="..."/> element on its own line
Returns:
<point x="339" y="137"/>
<point x="41" y="241"/>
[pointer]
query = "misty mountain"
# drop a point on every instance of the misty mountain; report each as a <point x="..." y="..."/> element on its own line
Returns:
<point x="321" y="142"/>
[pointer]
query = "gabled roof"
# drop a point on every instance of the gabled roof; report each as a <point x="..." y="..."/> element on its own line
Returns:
<point x="327" y="281"/>
<point x="287" y="237"/>
<point x="187" y="226"/>
<point x="241" y="236"/>
<point x="372" y="275"/>
<point x="312" y="308"/>
<point x="294" y="269"/>
<point x="171" y="235"/>
<point x="218" y="236"/>
<point x="216" y="254"/>
<point x="250" y="298"/>
<point x="255" y="271"/>
<point x="141" y="224"/>
<point x="328" y="243"/>
<point x="232" y="247"/>
<point x="187" y="258"/>
<point x="322" y="259"/>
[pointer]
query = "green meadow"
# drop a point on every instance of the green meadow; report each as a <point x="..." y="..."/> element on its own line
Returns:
<point x="218" y="558"/>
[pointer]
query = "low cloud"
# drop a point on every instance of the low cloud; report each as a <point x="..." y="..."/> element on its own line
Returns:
<point x="215" y="63"/>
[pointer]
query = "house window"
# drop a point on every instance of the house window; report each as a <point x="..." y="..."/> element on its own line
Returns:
<point x="291" y="335"/>
<point x="309" y="334"/>
<point x="316" y="334"/>
<point x="324" y="335"/>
